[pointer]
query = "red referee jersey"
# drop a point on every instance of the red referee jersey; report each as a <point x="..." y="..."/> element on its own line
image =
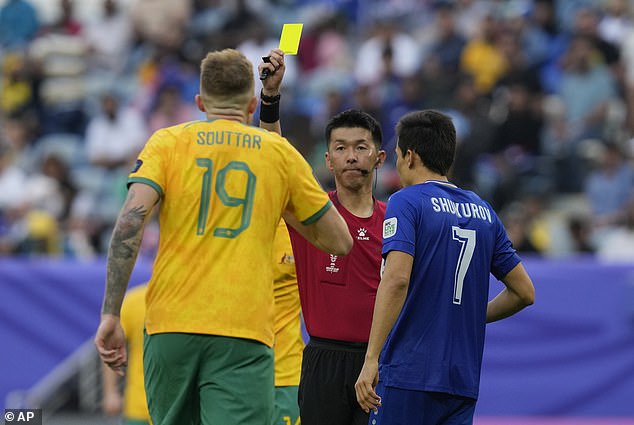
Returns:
<point x="337" y="293"/>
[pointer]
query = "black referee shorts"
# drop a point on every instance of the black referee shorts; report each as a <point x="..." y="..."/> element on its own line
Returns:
<point x="326" y="388"/>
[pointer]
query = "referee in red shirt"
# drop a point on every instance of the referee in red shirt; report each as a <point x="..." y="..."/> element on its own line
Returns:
<point x="337" y="293"/>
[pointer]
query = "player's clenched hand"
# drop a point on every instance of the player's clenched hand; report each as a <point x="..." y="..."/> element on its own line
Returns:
<point x="271" y="85"/>
<point x="364" y="387"/>
<point x="110" y="343"/>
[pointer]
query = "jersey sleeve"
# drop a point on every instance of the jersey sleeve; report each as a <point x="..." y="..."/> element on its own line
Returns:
<point x="399" y="226"/>
<point x="504" y="256"/>
<point x="307" y="200"/>
<point x="150" y="166"/>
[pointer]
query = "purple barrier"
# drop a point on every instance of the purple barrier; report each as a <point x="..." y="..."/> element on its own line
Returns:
<point x="571" y="354"/>
<point x="49" y="308"/>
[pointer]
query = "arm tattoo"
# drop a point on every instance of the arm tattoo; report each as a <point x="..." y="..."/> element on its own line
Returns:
<point x="124" y="247"/>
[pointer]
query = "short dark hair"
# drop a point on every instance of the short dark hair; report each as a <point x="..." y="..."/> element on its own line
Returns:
<point x="431" y="135"/>
<point x="354" y="118"/>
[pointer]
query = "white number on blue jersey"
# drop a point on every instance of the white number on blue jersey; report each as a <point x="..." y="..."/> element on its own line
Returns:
<point x="467" y="240"/>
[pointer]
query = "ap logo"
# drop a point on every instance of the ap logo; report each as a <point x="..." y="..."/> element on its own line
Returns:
<point x="29" y="416"/>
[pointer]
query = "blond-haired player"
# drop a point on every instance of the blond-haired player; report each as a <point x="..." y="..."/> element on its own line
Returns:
<point x="223" y="187"/>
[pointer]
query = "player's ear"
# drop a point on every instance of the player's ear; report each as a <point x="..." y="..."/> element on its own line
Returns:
<point x="328" y="164"/>
<point x="199" y="103"/>
<point x="380" y="159"/>
<point x="253" y="105"/>
<point x="409" y="157"/>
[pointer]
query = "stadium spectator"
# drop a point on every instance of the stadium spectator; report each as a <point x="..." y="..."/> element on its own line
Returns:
<point x="618" y="242"/>
<point x="238" y="25"/>
<point x="482" y="57"/>
<point x="407" y="95"/>
<point x="336" y="292"/>
<point x="389" y="51"/>
<point x="19" y="133"/>
<point x="58" y="57"/>
<point x="470" y="14"/>
<point x="325" y="45"/>
<point x="580" y="230"/>
<point x="109" y="39"/>
<point x="610" y="187"/>
<point x="446" y="48"/>
<point x="586" y="90"/>
<point x="586" y="23"/>
<point x="545" y="42"/>
<point x="517" y="223"/>
<point x="32" y="207"/>
<point x="441" y="243"/>
<point x="160" y="23"/>
<point x="474" y="129"/>
<point x="516" y="140"/>
<point x="65" y="21"/>
<point x="12" y="180"/>
<point x="615" y="22"/>
<point x="56" y="169"/>
<point x="223" y="186"/>
<point x="17" y="90"/>
<point x="115" y="136"/>
<point x="18" y="24"/>
<point x="334" y="101"/>
<point x="169" y="108"/>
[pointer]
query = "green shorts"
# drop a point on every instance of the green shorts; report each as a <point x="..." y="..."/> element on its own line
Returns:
<point x="208" y="380"/>
<point x="286" y="406"/>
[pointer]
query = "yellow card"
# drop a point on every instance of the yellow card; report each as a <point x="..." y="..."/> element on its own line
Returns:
<point x="289" y="40"/>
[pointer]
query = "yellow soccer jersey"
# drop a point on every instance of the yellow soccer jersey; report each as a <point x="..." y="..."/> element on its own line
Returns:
<point x="224" y="186"/>
<point x="289" y="344"/>
<point x="132" y="316"/>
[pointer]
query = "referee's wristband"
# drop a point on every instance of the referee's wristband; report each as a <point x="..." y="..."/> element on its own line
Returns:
<point x="269" y="99"/>
<point x="269" y="111"/>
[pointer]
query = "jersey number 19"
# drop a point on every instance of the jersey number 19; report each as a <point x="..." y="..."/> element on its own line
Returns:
<point x="246" y="202"/>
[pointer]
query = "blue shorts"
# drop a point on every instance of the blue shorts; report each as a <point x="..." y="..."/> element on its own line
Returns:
<point x="412" y="407"/>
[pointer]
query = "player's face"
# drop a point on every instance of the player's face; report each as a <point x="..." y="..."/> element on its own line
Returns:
<point x="352" y="157"/>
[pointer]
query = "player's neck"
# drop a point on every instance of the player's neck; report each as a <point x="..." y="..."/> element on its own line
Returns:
<point x="359" y="203"/>
<point x="227" y="114"/>
<point x="424" y="175"/>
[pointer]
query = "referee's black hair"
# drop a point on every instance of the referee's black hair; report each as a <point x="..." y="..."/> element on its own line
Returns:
<point x="431" y="135"/>
<point x="354" y="118"/>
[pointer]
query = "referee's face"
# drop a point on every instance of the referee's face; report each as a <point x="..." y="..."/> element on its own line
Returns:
<point x="352" y="157"/>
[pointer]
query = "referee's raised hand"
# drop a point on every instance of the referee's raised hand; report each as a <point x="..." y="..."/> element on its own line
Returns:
<point x="276" y="68"/>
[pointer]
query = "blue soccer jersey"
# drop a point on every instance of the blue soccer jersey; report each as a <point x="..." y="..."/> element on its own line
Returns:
<point x="456" y="240"/>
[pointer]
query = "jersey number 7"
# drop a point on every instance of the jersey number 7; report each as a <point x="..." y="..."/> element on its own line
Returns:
<point x="467" y="240"/>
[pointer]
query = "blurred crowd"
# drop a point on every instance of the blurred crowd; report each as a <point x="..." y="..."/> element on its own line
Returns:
<point x="541" y="92"/>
